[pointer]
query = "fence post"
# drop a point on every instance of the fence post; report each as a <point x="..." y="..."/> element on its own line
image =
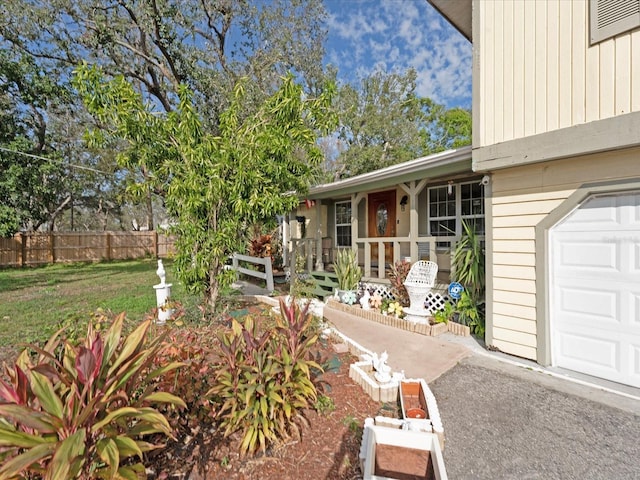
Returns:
<point x="52" y="255"/>
<point x="268" y="270"/>
<point x="22" y="249"/>
<point x="108" y="245"/>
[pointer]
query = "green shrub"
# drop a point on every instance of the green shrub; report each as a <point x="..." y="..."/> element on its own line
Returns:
<point x="265" y="379"/>
<point x="190" y="347"/>
<point x="83" y="411"/>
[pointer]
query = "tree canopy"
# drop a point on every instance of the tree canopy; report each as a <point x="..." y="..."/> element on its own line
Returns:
<point x="216" y="185"/>
<point x="384" y="122"/>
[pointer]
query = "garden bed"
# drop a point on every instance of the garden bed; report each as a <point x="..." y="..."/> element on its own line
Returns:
<point x="420" y="328"/>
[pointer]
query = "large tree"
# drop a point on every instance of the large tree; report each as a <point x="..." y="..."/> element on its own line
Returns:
<point x="32" y="182"/>
<point x="159" y="45"/>
<point x="383" y="122"/>
<point x="216" y="184"/>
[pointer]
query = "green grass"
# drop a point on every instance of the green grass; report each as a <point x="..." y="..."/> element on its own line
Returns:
<point x="34" y="302"/>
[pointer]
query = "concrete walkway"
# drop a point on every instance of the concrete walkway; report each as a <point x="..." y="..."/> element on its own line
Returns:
<point x="418" y="356"/>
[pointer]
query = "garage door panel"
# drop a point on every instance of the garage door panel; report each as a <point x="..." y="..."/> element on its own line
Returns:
<point x="595" y="303"/>
<point x="587" y="255"/>
<point x="596" y="213"/>
<point x="581" y="351"/>
<point x="595" y="289"/>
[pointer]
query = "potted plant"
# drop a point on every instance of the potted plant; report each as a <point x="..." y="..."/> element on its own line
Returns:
<point x="349" y="274"/>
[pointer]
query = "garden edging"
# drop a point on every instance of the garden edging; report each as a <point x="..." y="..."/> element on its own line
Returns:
<point x="420" y="328"/>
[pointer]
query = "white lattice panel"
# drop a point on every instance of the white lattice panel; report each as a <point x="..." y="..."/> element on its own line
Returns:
<point x="436" y="301"/>
<point x="375" y="288"/>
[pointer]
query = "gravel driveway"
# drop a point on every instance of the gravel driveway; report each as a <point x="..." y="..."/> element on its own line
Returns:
<point x="507" y="422"/>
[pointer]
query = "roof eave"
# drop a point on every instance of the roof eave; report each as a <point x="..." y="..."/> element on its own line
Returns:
<point x="458" y="13"/>
<point x="457" y="160"/>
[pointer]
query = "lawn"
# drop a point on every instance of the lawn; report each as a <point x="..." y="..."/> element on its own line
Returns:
<point x="35" y="302"/>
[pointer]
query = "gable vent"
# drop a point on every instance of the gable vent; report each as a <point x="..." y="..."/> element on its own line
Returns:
<point x="609" y="18"/>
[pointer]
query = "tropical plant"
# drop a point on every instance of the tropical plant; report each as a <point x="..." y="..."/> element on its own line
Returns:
<point x="191" y="347"/>
<point x="444" y="315"/>
<point x="266" y="379"/>
<point x="83" y="411"/>
<point x="470" y="313"/>
<point x="398" y="275"/>
<point x="469" y="261"/>
<point x="216" y="183"/>
<point x="347" y="269"/>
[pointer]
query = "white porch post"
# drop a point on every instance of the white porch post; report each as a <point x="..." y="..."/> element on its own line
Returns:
<point x="413" y="190"/>
<point x="319" y="264"/>
<point x="286" y="233"/>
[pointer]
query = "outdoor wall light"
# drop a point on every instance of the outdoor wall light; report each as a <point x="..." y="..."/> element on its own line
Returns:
<point x="403" y="202"/>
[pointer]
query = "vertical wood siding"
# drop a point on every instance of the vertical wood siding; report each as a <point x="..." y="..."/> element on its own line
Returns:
<point x="538" y="72"/>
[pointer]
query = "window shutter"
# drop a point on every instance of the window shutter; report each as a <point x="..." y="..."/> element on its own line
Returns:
<point x="609" y="18"/>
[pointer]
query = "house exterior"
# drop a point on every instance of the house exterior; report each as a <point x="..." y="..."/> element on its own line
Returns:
<point x="556" y="113"/>
<point x="413" y="210"/>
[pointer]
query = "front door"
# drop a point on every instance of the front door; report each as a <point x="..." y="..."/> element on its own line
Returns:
<point x="382" y="222"/>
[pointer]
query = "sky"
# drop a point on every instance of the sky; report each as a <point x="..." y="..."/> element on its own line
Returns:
<point x="394" y="35"/>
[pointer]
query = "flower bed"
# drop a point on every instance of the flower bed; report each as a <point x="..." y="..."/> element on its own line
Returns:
<point x="422" y="329"/>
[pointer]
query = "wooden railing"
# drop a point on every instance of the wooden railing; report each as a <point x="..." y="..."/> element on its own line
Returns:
<point x="267" y="275"/>
<point x="422" y="248"/>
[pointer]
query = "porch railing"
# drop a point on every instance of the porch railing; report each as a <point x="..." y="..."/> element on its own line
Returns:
<point x="422" y="248"/>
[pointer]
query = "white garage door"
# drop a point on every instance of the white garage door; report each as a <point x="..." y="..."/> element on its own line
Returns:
<point x="595" y="289"/>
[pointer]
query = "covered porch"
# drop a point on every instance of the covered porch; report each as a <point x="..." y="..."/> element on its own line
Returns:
<point x="410" y="211"/>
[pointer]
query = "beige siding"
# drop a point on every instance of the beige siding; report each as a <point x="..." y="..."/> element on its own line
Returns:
<point x="535" y="190"/>
<point x="538" y="72"/>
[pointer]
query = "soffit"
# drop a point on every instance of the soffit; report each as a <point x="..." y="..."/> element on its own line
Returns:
<point x="457" y="12"/>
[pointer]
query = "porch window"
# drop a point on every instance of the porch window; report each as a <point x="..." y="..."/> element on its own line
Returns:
<point x="450" y="204"/>
<point x="442" y="211"/>
<point x="472" y="205"/>
<point x="343" y="224"/>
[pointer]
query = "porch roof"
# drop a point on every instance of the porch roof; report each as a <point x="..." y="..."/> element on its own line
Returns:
<point x="441" y="164"/>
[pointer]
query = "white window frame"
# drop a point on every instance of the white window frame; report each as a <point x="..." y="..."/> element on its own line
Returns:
<point x="348" y="203"/>
<point x="457" y="192"/>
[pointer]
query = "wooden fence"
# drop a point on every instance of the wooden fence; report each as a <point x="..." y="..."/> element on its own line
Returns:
<point x="42" y="248"/>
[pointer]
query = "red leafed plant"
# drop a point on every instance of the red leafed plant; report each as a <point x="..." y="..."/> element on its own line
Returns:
<point x="83" y="411"/>
<point x="397" y="277"/>
<point x="265" y="379"/>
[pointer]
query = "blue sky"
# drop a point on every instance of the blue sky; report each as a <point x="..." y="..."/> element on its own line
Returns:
<point x="394" y="35"/>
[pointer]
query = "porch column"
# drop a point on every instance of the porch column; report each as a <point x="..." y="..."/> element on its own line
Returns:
<point x="413" y="190"/>
<point x="286" y="232"/>
<point x="319" y="264"/>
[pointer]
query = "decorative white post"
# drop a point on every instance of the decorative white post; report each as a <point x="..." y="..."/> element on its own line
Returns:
<point x="163" y="296"/>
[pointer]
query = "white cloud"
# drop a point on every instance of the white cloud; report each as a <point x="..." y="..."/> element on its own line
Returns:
<point x="394" y="35"/>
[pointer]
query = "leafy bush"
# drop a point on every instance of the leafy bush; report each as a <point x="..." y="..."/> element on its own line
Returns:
<point x="265" y="379"/>
<point x="398" y="275"/>
<point x="470" y="313"/>
<point x="83" y="411"/>
<point x="444" y="315"/>
<point x="191" y="348"/>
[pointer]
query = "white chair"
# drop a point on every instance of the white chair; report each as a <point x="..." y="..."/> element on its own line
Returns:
<point x="419" y="282"/>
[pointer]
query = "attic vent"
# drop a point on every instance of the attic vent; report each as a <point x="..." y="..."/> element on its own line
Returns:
<point x="609" y="18"/>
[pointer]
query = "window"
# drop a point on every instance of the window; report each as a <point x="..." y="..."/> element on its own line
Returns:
<point x="608" y="18"/>
<point x="343" y="224"/>
<point x="472" y="205"/>
<point x="450" y="204"/>
<point x="442" y="211"/>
